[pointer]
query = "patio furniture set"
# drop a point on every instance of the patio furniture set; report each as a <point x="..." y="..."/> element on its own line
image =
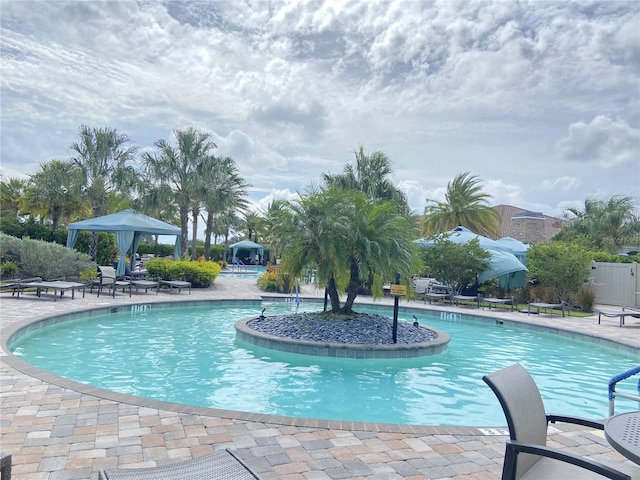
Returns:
<point x="107" y="280"/>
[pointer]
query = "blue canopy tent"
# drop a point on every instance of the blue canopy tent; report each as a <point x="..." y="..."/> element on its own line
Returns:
<point x="128" y="226"/>
<point x="254" y="249"/>
<point x="503" y="263"/>
<point x="518" y="248"/>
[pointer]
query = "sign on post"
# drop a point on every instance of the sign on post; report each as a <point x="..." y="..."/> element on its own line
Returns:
<point x="398" y="290"/>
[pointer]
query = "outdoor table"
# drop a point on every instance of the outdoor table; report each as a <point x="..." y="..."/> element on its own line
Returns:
<point x="623" y="433"/>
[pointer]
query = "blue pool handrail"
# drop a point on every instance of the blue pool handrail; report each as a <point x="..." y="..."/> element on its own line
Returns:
<point x="612" y="388"/>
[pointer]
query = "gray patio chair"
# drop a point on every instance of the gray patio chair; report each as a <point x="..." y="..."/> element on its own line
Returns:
<point x="109" y="279"/>
<point x="222" y="464"/>
<point x="527" y="456"/>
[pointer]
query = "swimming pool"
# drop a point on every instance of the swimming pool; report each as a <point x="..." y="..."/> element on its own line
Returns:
<point x="243" y="272"/>
<point x="167" y="354"/>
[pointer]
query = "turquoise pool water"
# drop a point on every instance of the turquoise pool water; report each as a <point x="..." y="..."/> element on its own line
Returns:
<point x="190" y="355"/>
<point x="243" y="272"/>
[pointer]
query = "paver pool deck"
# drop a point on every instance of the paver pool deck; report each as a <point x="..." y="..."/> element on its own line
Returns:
<point x="56" y="431"/>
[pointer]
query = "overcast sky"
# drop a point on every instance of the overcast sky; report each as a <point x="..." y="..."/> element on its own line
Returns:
<point x="540" y="99"/>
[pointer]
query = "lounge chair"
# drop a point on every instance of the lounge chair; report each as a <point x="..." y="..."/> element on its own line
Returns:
<point x="109" y="279"/>
<point x="527" y="455"/>
<point x="5" y="466"/>
<point x="546" y="307"/>
<point x="619" y="315"/>
<point x="467" y="298"/>
<point x="499" y="301"/>
<point x="222" y="464"/>
<point x="176" y="284"/>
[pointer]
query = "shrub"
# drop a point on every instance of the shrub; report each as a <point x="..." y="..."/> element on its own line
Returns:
<point x="44" y="259"/>
<point x="273" y="280"/>
<point x="8" y="270"/>
<point x="585" y="298"/>
<point x="268" y="281"/>
<point x="200" y="274"/>
<point x="560" y="267"/>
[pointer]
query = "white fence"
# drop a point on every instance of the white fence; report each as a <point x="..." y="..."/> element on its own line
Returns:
<point x="616" y="283"/>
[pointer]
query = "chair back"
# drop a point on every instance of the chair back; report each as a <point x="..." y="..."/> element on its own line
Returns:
<point x="107" y="275"/>
<point x="522" y="405"/>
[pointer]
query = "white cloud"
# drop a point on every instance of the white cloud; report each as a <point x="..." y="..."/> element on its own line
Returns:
<point x="604" y="141"/>
<point x="290" y="89"/>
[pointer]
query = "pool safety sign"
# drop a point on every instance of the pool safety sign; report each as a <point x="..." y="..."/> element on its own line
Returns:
<point x="398" y="290"/>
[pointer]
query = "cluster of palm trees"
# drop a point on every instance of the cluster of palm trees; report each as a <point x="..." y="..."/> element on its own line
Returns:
<point x="176" y="182"/>
<point x="356" y="227"/>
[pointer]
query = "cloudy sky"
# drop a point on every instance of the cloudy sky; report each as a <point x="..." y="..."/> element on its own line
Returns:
<point x="539" y="99"/>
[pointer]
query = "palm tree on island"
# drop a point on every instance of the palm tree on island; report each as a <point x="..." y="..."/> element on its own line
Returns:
<point x="352" y="235"/>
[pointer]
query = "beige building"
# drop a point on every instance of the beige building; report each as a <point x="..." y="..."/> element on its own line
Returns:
<point x="527" y="226"/>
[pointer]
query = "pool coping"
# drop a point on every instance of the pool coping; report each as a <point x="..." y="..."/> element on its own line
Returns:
<point x="9" y="332"/>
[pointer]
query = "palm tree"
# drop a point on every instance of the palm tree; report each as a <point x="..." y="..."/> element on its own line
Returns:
<point x="225" y="191"/>
<point x="369" y="175"/>
<point x="252" y="221"/>
<point x="11" y="193"/>
<point x="102" y="164"/>
<point x="312" y="230"/>
<point x="178" y="168"/>
<point x="349" y="239"/>
<point x="607" y="224"/>
<point x="269" y="220"/>
<point x="53" y="191"/>
<point x="465" y="204"/>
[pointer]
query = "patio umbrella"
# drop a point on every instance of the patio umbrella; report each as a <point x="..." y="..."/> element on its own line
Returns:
<point x="503" y="263"/>
<point x="518" y="248"/>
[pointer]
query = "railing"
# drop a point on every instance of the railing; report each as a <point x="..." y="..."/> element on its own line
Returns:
<point x="239" y="264"/>
<point x="612" y="388"/>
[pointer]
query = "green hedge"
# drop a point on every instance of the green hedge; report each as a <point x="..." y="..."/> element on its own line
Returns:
<point x="201" y="274"/>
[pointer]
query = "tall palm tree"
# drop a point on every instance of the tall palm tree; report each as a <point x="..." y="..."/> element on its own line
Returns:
<point x="102" y="164"/>
<point x="607" y="224"/>
<point x="252" y="221"/>
<point x="225" y="191"/>
<point x="53" y="191"/>
<point x="369" y="175"/>
<point x="178" y="168"/>
<point x="269" y="220"/>
<point x="465" y="204"/>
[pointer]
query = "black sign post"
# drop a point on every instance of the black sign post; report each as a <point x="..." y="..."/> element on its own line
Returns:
<point x="395" y="311"/>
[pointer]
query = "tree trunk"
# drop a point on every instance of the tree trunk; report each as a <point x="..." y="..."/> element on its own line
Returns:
<point x="207" y="236"/>
<point x="334" y="298"/>
<point x="184" y="229"/>
<point x="194" y="237"/>
<point x="93" y="246"/>
<point x="352" y="288"/>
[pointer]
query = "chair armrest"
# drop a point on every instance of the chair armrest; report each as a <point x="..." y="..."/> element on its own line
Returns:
<point x="553" y="418"/>
<point x="556" y="454"/>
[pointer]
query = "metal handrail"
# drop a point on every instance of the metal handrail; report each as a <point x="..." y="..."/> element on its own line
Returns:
<point x="612" y="388"/>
